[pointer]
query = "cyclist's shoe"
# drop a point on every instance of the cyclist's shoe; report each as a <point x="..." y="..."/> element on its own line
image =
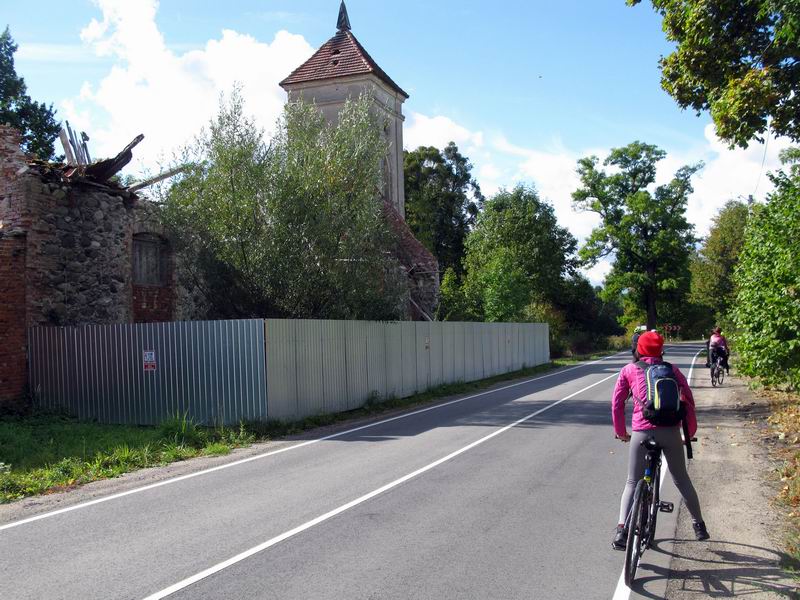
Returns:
<point x="700" y="531"/>
<point x="620" y="538"/>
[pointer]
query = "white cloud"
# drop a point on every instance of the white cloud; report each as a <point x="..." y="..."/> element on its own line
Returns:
<point x="728" y="174"/>
<point x="438" y="131"/>
<point x="169" y="96"/>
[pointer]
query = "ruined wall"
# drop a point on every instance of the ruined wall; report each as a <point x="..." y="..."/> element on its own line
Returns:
<point x="79" y="246"/>
<point x="13" y="371"/>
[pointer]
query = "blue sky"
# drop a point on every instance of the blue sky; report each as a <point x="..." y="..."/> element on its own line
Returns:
<point x="524" y="88"/>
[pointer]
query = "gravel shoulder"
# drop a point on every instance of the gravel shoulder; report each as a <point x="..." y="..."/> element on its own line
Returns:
<point x="731" y="473"/>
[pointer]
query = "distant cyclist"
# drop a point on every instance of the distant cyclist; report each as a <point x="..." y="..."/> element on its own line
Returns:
<point x="635" y="340"/>
<point x="632" y="382"/>
<point x="718" y="347"/>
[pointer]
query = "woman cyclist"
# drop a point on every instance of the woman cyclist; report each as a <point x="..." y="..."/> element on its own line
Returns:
<point x="718" y="346"/>
<point x="632" y="382"/>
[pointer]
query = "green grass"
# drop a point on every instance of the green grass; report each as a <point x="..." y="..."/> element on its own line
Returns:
<point x="43" y="453"/>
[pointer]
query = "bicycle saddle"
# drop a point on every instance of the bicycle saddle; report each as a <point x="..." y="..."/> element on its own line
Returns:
<point x="650" y="443"/>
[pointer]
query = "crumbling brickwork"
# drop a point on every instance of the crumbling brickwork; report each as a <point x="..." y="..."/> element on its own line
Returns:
<point x="13" y="372"/>
<point x="66" y="256"/>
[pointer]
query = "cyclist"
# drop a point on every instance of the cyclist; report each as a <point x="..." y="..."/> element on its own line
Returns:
<point x="718" y="346"/>
<point x="635" y="340"/>
<point x="632" y="381"/>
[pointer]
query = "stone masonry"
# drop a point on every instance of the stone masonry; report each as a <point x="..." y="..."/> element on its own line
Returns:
<point x="66" y="256"/>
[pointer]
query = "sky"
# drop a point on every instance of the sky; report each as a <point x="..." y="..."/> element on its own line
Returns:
<point x="524" y="88"/>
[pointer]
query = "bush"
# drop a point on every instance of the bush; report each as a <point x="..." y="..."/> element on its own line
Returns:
<point x="767" y="310"/>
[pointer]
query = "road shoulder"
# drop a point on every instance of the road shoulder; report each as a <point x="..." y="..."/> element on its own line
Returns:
<point x="731" y="473"/>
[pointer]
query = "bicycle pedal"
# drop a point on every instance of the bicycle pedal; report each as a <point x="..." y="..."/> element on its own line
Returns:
<point x="666" y="507"/>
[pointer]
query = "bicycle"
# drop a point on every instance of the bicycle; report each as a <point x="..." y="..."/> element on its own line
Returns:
<point x="646" y="505"/>
<point x="717" y="371"/>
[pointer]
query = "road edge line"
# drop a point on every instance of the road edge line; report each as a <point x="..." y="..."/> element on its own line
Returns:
<point x="353" y="503"/>
<point x="242" y="461"/>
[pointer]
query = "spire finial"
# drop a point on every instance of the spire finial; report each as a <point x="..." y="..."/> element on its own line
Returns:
<point x="343" y="23"/>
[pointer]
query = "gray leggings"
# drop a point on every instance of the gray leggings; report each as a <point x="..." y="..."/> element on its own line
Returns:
<point x="669" y="438"/>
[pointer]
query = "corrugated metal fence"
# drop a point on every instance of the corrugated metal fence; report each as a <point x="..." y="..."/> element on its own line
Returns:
<point x="225" y="371"/>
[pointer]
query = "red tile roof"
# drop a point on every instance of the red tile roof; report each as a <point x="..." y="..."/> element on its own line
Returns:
<point x="340" y="56"/>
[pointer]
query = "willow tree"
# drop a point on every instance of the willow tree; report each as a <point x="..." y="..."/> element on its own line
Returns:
<point x="291" y="227"/>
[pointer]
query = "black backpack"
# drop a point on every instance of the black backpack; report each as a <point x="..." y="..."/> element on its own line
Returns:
<point x="663" y="405"/>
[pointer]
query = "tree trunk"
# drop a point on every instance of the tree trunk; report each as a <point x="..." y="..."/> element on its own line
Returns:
<point x="650" y="298"/>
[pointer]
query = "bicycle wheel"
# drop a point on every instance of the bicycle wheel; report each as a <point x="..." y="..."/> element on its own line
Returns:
<point x="714" y="376"/>
<point x="654" y="505"/>
<point x="720" y="375"/>
<point x="636" y="528"/>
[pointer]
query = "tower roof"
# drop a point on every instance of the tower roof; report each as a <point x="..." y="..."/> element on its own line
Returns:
<point x="341" y="56"/>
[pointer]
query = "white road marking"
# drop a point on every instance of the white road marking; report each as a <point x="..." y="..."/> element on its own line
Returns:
<point x="274" y="452"/>
<point x="292" y="532"/>
<point x="623" y="592"/>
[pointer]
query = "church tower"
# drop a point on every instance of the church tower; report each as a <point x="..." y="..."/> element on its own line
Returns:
<point x="343" y="69"/>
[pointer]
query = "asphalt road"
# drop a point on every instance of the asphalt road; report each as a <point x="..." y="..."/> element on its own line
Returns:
<point x="511" y="493"/>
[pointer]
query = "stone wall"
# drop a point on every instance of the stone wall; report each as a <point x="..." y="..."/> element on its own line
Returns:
<point x="79" y="247"/>
<point x="66" y="246"/>
<point x="13" y="369"/>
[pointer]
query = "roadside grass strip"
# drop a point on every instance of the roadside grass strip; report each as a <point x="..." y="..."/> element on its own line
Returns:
<point x="353" y="503"/>
<point x="180" y="452"/>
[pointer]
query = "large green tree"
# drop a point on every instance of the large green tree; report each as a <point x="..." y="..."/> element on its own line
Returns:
<point x="739" y="59"/>
<point x="713" y="266"/>
<point x="517" y="254"/>
<point x="767" y="307"/>
<point x="294" y="228"/>
<point x="35" y="121"/>
<point x="645" y="233"/>
<point x="442" y="201"/>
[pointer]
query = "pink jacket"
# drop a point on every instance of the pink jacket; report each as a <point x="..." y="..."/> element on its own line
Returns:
<point x="717" y="340"/>
<point x="631" y="379"/>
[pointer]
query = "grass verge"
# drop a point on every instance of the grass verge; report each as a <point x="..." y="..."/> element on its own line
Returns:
<point x="46" y="453"/>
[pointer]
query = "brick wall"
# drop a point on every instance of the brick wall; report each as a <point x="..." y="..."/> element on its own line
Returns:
<point x="13" y="360"/>
<point x="152" y="304"/>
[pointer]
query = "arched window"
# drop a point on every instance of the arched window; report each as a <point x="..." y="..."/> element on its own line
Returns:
<point x="150" y="260"/>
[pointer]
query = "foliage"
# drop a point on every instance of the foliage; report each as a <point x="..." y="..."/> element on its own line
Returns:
<point x="712" y="267"/>
<point x="442" y="201"/>
<point x="517" y="254"/>
<point x="35" y="121"/>
<point x="646" y="233"/>
<point x="294" y="228"/>
<point x="740" y="60"/>
<point x="767" y="311"/>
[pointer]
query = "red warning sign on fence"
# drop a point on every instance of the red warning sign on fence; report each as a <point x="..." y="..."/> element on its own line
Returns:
<point x="149" y="360"/>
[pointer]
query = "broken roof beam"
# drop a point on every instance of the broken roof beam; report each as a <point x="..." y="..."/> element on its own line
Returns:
<point x="105" y="169"/>
<point x="157" y="178"/>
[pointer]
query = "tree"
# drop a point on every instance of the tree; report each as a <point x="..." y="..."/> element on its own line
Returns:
<point x="646" y="233"/>
<point x="740" y="60"/>
<point x="35" y="121"/>
<point x="442" y="201"/>
<point x="516" y="254"/>
<point x="767" y="308"/>
<point x="294" y="228"/>
<point x="713" y="266"/>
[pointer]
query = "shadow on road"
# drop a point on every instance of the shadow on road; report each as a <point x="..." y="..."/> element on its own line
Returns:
<point x="736" y="571"/>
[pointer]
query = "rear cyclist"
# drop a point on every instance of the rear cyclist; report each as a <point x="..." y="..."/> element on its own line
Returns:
<point x="718" y="347"/>
<point x="632" y="382"/>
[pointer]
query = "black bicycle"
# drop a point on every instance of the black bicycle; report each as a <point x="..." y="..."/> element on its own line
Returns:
<point x="642" y="518"/>
<point x="717" y="371"/>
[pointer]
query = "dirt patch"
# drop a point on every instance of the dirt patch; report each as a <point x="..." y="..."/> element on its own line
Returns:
<point x="737" y="482"/>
